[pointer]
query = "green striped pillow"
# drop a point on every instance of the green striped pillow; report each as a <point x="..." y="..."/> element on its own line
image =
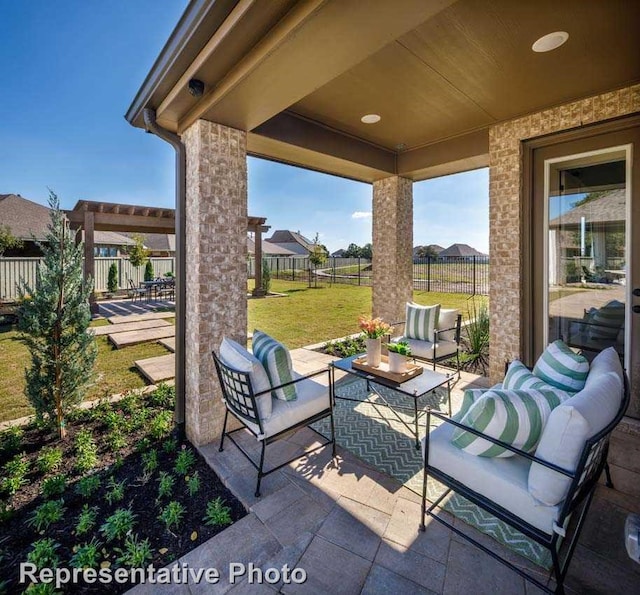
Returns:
<point x="421" y="321"/>
<point x="516" y="417"/>
<point x="519" y="377"/>
<point x="470" y="396"/>
<point x="275" y="358"/>
<point x="559" y="366"/>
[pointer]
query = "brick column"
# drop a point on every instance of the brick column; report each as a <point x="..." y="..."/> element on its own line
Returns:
<point x="392" y="247"/>
<point x="216" y="265"/>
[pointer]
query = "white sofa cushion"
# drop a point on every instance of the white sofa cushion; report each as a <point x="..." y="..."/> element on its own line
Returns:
<point x="572" y="423"/>
<point x="312" y="399"/>
<point x="276" y="359"/>
<point x="447" y="320"/>
<point x="504" y="481"/>
<point x="421" y="321"/>
<point x="426" y="349"/>
<point x="235" y="356"/>
<point x="516" y="417"/>
<point x="562" y="368"/>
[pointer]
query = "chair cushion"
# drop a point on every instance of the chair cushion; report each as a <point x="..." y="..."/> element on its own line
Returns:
<point x="559" y="366"/>
<point x="421" y="321"/>
<point x="572" y="423"/>
<point x="425" y="349"/>
<point x="516" y="417"/>
<point x="605" y="322"/>
<point x="447" y="319"/>
<point x="312" y="399"/>
<point x="504" y="481"/>
<point x="276" y="360"/>
<point x="236" y="356"/>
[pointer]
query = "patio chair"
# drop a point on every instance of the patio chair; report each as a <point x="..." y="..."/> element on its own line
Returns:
<point x="138" y="292"/>
<point x="543" y="493"/>
<point x="267" y="418"/>
<point x="436" y="345"/>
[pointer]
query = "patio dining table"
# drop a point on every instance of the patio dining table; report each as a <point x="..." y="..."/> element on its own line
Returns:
<point x="159" y="285"/>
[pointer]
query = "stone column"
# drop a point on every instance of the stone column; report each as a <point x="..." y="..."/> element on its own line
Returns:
<point x="216" y="265"/>
<point x="392" y="247"/>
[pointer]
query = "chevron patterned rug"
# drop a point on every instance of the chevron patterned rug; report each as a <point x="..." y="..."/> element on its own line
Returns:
<point x="373" y="433"/>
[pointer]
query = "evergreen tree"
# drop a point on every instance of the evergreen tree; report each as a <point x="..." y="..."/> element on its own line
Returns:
<point x="317" y="257"/>
<point x="54" y="320"/>
<point x="112" y="279"/>
<point x="266" y="275"/>
<point x="148" y="271"/>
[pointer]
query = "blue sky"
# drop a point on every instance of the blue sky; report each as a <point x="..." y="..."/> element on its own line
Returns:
<point x="70" y="70"/>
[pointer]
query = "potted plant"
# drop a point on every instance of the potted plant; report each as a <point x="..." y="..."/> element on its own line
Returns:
<point x="373" y="329"/>
<point x="398" y="354"/>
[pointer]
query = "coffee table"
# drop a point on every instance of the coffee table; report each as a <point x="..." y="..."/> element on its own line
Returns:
<point x="417" y="387"/>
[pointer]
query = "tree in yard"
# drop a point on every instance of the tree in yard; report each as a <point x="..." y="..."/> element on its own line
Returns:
<point x="426" y="252"/>
<point x="138" y="254"/>
<point x="54" y="320"/>
<point x="352" y="251"/>
<point x="148" y="271"/>
<point x="8" y="240"/>
<point x="112" y="279"/>
<point x="266" y="275"/>
<point x="366" y="251"/>
<point x="317" y="257"/>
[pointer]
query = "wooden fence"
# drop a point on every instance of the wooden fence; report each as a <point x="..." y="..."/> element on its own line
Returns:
<point x="15" y="270"/>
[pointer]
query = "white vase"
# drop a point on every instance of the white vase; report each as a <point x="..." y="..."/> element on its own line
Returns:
<point x="374" y="351"/>
<point x="397" y="362"/>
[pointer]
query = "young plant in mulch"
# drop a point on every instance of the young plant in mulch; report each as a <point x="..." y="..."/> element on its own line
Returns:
<point x="44" y="553"/>
<point x="49" y="460"/>
<point x="86" y="451"/>
<point x="15" y="474"/>
<point x="193" y="484"/>
<point x="136" y="553"/>
<point x="166" y="482"/>
<point x="86" y="555"/>
<point x="86" y="519"/>
<point x="46" y="514"/>
<point x="184" y="461"/>
<point x="171" y="515"/>
<point x="11" y="441"/>
<point x="54" y="486"/>
<point x="115" y="491"/>
<point x="218" y="513"/>
<point x="87" y="486"/>
<point x="118" y="525"/>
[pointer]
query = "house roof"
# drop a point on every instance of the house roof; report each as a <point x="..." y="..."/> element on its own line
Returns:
<point x="460" y="250"/>
<point x="607" y="208"/>
<point x="157" y="242"/>
<point x="439" y="72"/>
<point x="25" y="218"/>
<point x="291" y="240"/>
<point x="269" y="248"/>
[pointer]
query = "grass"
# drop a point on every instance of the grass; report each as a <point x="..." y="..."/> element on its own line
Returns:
<point x="115" y="371"/>
<point x="310" y="316"/>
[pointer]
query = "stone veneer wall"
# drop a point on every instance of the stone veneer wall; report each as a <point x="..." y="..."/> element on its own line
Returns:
<point x="216" y="270"/>
<point x="506" y="207"/>
<point x="392" y="247"/>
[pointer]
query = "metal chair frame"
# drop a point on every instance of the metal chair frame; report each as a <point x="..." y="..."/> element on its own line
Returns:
<point x="583" y="482"/>
<point x="240" y="402"/>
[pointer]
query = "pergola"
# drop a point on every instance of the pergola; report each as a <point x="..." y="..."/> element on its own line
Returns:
<point x="90" y="216"/>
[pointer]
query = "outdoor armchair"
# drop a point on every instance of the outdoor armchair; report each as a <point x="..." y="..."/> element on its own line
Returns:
<point x="313" y="403"/>
<point x="138" y="292"/>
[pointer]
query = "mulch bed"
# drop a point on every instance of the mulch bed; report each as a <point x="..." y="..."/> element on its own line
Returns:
<point x="126" y="464"/>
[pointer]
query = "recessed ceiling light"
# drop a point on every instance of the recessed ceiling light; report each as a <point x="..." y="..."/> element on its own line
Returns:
<point x="551" y="41"/>
<point x="370" y="119"/>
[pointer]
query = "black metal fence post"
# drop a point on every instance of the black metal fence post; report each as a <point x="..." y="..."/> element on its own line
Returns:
<point x="474" y="275"/>
<point x="359" y="272"/>
<point x="428" y="273"/>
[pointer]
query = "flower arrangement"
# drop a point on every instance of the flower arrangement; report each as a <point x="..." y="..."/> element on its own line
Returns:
<point x="401" y="348"/>
<point x="373" y="328"/>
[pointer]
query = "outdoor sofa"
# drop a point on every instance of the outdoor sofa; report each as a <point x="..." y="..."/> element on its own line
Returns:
<point x="269" y="398"/>
<point x="543" y="492"/>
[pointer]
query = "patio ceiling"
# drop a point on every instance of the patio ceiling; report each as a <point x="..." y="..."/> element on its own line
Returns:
<point x="298" y="75"/>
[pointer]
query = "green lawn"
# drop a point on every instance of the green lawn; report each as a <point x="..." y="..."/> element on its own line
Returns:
<point x="310" y="316"/>
<point x="115" y="371"/>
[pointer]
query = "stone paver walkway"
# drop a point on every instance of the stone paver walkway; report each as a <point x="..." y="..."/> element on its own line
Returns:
<point x="169" y="343"/>
<point x="121" y="340"/>
<point x="128" y="326"/>
<point x="159" y="368"/>
<point x="139" y="317"/>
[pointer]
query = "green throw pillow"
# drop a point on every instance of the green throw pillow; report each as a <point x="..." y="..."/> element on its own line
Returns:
<point x="275" y="358"/>
<point x="421" y="321"/>
<point x="517" y="417"/>
<point x="559" y="366"/>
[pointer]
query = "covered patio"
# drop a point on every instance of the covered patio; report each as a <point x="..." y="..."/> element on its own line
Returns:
<point x="388" y="93"/>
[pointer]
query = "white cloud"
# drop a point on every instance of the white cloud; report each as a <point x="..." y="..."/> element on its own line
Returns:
<point x="361" y="215"/>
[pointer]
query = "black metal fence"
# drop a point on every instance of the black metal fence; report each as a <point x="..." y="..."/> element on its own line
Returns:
<point x="446" y="275"/>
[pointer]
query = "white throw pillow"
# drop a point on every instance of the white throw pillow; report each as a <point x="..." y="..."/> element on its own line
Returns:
<point x="447" y="320"/>
<point x="236" y="356"/>
<point x="572" y="423"/>
<point x="421" y="321"/>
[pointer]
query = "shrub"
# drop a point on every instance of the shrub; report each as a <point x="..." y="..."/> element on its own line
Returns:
<point x="11" y="440"/>
<point x="136" y="553"/>
<point x="163" y="396"/>
<point x="118" y="525"/>
<point x="161" y="425"/>
<point x="477" y="331"/>
<point x="46" y="514"/>
<point x="43" y="554"/>
<point x="148" y="271"/>
<point x="115" y="493"/>
<point x="149" y="461"/>
<point x="86" y="555"/>
<point x="86" y="451"/>
<point x="112" y="279"/>
<point x="171" y="515"/>
<point x="54" y="486"/>
<point x="170" y="445"/>
<point x="217" y="514"/>
<point x="86" y="519"/>
<point x="49" y="459"/>
<point x="88" y="485"/>
<point x="116" y="440"/>
<point x="193" y="484"/>
<point x="165" y="485"/>
<point x="184" y="461"/>
<point x="15" y="472"/>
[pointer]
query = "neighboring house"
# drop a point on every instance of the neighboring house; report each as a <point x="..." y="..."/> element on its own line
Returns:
<point x="159" y="244"/>
<point x="339" y="253"/>
<point x="291" y="240"/>
<point x="269" y="249"/>
<point x="29" y="221"/>
<point x="460" y="251"/>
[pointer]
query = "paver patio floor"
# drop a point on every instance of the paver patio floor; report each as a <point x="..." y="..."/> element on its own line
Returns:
<point x="354" y="530"/>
